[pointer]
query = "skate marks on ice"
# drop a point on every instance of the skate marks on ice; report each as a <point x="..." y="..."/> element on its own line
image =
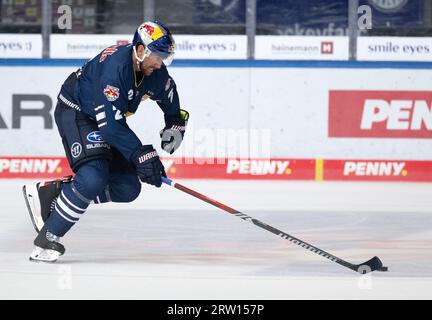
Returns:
<point x="209" y="238"/>
<point x="171" y="254"/>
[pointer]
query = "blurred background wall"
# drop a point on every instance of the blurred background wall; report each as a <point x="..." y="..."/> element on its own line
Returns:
<point x="339" y="89"/>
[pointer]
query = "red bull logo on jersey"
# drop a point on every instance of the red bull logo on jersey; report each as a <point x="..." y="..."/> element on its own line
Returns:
<point x="111" y="93"/>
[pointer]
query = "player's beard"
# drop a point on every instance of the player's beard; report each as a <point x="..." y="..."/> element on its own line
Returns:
<point x="146" y="71"/>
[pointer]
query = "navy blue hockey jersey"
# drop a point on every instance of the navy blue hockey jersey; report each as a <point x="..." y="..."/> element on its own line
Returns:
<point x="107" y="91"/>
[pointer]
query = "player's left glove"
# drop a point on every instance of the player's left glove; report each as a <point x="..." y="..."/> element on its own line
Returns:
<point x="173" y="133"/>
<point x="148" y="165"/>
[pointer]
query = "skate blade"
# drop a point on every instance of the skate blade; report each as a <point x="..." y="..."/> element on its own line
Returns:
<point x="33" y="206"/>
<point x="44" y="255"/>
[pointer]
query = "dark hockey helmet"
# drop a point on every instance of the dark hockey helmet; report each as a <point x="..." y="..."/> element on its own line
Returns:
<point x="157" y="39"/>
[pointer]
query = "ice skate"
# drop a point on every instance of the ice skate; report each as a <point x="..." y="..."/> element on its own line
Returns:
<point x="47" y="247"/>
<point x="40" y="199"/>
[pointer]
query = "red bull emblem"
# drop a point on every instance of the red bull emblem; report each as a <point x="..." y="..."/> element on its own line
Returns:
<point x="111" y="93"/>
<point x="149" y="29"/>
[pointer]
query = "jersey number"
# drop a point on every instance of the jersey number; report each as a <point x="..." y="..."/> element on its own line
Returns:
<point x="118" y="115"/>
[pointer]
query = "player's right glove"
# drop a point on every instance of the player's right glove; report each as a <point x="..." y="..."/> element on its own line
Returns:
<point x="173" y="133"/>
<point x="148" y="165"/>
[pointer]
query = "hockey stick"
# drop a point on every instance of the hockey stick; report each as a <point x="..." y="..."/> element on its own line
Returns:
<point x="373" y="264"/>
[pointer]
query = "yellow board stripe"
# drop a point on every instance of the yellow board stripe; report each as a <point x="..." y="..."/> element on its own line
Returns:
<point x="319" y="169"/>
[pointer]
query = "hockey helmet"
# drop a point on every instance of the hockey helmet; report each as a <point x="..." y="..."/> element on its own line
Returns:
<point x="157" y="39"/>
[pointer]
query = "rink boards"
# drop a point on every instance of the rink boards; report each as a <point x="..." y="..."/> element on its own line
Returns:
<point x="282" y="120"/>
<point x="257" y="169"/>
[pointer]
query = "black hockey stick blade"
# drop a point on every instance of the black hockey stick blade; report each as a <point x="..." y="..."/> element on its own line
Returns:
<point x="373" y="264"/>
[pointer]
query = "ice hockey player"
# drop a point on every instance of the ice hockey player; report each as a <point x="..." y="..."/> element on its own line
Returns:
<point x="106" y="156"/>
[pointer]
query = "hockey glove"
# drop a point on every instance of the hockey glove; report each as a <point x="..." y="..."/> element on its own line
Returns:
<point x="148" y="165"/>
<point x="173" y="133"/>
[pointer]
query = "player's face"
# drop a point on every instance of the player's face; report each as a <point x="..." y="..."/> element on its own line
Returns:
<point x="151" y="63"/>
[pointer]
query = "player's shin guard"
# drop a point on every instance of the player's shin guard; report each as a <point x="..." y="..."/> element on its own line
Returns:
<point x="68" y="209"/>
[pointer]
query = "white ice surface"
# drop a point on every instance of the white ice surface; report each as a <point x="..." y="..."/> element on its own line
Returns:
<point x="168" y="245"/>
